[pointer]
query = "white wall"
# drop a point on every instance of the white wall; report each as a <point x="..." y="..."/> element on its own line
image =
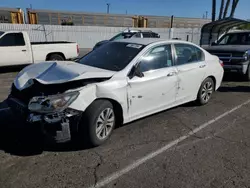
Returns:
<point x="87" y="36"/>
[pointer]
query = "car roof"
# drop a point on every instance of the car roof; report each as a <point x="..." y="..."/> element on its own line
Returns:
<point x="147" y="41"/>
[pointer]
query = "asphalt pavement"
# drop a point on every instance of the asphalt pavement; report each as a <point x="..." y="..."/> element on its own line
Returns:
<point x="186" y="147"/>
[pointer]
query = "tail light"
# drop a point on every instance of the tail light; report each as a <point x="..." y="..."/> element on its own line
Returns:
<point x="77" y="48"/>
<point x="221" y="63"/>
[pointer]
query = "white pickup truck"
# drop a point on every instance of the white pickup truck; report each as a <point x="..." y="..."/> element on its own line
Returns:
<point x="16" y="49"/>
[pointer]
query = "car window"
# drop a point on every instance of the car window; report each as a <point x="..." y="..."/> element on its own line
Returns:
<point x="155" y="35"/>
<point x="117" y="37"/>
<point x="224" y="40"/>
<point x="188" y="54"/>
<point x="137" y="35"/>
<point x="113" y="56"/>
<point x="147" y="35"/>
<point x="235" y="39"/>
<point x="12" y="39"/>
<point x="157" y="58"/>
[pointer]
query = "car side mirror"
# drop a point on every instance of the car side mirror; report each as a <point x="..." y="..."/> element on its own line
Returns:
<point x="135" y="71"/>
<point x="214" y="44"/>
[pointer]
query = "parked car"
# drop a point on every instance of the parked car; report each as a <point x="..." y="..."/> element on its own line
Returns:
<point x="130" y="34"/>
<point x="16" y="49"/>
<point x="115" y="84"/>
<point x="234" y="50"/>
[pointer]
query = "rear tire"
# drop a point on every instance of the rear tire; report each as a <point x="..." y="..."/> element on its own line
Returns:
<point x="55" y="57"/>
<point x="205" y="92"/>
<point x="97" y="123"/>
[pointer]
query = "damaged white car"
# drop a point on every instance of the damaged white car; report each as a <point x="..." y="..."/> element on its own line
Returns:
<point x="115" y="84"/>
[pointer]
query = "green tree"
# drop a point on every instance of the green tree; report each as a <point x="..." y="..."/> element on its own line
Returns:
<point x="244" y="27"/>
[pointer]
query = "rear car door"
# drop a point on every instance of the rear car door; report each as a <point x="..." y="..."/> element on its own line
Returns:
<point x="14" y="51"/>
<point x="156" y="90"/>
<point x="191" y="66"/>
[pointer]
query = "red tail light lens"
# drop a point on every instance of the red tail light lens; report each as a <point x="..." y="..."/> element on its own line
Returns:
<point x="77" y="48"/>
<point x="221" y="63"/>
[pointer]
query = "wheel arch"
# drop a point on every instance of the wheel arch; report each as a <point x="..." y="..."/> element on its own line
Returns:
<point x="214" y="80"/>
<point x="117" y="109"/>
<point x="54" y="53"/>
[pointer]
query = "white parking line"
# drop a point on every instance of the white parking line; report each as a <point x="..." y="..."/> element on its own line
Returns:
<point x="153" y="154"/>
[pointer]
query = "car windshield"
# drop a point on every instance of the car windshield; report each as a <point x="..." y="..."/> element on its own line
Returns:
<point x="235" y="39"/>
<point x="1" y="33"/>
<point x="122" y="36"/>
<point x="113" y="56"/>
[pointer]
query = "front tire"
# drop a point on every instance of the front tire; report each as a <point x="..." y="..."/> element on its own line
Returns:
<point x="97" y="123"/>
<point x="205" y="92"/>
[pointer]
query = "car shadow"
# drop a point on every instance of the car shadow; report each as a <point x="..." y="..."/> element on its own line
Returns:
<point x="233" y="77"/>
<point x="240" y="89"/>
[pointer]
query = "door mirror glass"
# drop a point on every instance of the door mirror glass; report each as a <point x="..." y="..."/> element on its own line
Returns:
<point x="135" y="71"/>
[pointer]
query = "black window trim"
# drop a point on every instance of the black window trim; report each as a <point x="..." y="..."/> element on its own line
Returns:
<point x="175" y="54"/>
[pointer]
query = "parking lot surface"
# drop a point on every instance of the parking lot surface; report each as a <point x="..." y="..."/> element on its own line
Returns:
<point x="188" y="146"/>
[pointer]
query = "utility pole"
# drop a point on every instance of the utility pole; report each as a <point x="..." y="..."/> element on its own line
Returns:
<point x="206" y="14"/>
<point x="108" y="4"/>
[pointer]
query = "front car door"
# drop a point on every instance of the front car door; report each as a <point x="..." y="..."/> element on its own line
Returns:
<point x="14" y="51"/>
<point x="191" y="66"/>
<point x="156" y="90"/>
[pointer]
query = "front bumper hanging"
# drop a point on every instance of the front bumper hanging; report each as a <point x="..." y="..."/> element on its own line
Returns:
<point x="56" y="126"/>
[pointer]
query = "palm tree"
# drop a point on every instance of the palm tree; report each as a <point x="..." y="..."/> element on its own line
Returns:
<point x="221" y="8"/>
<point x="234" y="6"/>
<point x="226" y="8"/>
<point x="213" y="10"/>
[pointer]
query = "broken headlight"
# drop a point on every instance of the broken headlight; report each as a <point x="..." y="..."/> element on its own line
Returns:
<point x="54" y="103"/>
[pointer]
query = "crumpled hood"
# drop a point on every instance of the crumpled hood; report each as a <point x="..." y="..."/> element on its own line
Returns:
<point x="57" y="72"/>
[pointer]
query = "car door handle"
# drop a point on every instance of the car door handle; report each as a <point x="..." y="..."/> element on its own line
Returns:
<point x="24" y="50"/>
<point x="171" y="74"/>
<point x="202" y="66"/>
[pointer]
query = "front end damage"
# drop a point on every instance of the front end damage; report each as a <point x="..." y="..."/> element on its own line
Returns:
<point x="47" y="107"/>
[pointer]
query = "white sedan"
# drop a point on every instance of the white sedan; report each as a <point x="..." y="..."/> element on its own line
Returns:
<point x="115" y="84"/>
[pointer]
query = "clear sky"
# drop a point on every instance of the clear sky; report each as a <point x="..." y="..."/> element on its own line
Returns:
<point x="179" y="8"/>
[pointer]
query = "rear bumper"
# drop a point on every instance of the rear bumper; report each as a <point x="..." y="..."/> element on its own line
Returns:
<point x="55" y="127"/>
<point x="239" y="68"/>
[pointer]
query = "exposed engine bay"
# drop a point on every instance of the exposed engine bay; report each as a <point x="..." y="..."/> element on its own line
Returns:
<point x="58" y="122"/>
